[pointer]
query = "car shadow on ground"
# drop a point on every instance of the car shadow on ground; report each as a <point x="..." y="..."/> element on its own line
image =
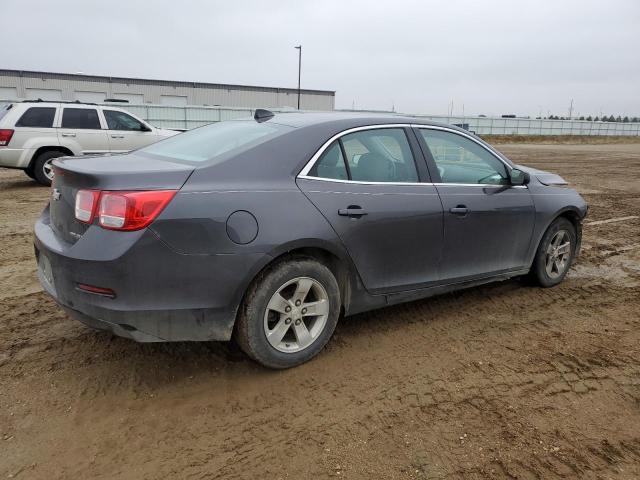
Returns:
<point x="165" y="363"/>
<point x="22" y="184"/>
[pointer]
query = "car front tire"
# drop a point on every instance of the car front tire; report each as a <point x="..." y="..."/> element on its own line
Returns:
<point x="42" y="171"/>
<point x="289" y="313"/>
<point x="555" y="253"/>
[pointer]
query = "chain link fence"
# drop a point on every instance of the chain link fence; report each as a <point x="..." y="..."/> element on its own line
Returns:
<point x="188" y="117"/>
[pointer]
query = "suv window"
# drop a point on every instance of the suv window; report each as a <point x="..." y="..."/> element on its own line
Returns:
<point x="330" y="164"/>
<point x="122" y="121"/>
<point x="37" y="117"/>
<point x="379" y="155"/>
<point x="84" y="118"/>
<point x="460" y="160"/>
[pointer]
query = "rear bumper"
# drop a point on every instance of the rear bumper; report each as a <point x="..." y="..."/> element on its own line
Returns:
<point x="161" y="295"/>
<point x="15" y="157"/>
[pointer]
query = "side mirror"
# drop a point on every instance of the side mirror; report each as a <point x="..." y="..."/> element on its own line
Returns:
<point x="518" y="177"/>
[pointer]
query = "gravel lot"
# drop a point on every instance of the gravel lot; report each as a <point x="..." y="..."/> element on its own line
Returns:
<point x="501" y="381"/>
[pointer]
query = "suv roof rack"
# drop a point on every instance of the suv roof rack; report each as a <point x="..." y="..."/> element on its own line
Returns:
<point x="39" y="100"/>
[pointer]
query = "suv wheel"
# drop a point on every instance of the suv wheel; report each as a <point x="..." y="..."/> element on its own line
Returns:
<point x="289" y="313"/>
<point x="555" y="253"/>
<point x="42" y="168"/>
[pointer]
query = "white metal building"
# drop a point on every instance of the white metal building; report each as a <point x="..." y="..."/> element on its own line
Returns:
<point x="17" y="84"/>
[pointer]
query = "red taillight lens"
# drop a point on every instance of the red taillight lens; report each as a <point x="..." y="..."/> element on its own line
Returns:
<point x="5" y="137"/>
<point x="106" y="292"/>
<point x="86" y="204"/>
<point x="132" y="210"/>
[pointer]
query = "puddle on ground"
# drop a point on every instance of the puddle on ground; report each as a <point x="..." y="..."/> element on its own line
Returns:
<point x="620" y="269"/>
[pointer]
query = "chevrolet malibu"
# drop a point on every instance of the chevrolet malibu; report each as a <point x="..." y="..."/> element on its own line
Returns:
<point x="269" y="229"/>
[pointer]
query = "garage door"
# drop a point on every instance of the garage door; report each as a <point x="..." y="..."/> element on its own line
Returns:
<point x="134" y="98"/>
<point x="8" y="93"/>
<point x="90" y="97"/>
<point x="175" y="100"/>
<point x="44" y="94"/>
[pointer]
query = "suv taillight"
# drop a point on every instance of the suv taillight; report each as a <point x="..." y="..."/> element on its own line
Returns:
<point x="121" y="210"/>
<point x="5" y="137"/>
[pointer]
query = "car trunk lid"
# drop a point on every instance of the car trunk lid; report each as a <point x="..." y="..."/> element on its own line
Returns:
<point x="118" y="172"/>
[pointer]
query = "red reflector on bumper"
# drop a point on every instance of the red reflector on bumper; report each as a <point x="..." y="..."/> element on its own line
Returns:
<point x="105" y="292"/>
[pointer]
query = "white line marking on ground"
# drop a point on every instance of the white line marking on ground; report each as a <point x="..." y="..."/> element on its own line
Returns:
<point x="612" y="220"/>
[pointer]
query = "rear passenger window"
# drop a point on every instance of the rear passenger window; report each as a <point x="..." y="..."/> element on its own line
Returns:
<point x="37" y="117"/>
<point x="330" y="165"/>
<point x="380" y="155"/>
<point x="84" y="118"/>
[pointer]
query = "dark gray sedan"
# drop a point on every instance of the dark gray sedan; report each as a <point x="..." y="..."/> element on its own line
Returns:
<point x="268" y="229"/>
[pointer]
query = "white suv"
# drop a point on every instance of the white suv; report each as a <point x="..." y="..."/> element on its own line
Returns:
<point x="33" y="133"/>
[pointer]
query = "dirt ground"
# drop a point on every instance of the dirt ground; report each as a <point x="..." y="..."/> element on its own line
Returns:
<point x="501" y="381"/>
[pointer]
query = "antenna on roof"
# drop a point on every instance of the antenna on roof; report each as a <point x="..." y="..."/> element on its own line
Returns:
<point x="262" y="115"/>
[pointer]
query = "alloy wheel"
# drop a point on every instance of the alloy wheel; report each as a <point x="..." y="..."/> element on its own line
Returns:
<point x="47" y="169"/>
<point x="558" y="254"/>
<point x="296" y="315"/>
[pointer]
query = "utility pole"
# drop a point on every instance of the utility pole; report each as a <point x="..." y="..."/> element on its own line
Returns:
<point x="299" y="48"/>
<point x="570" y="109"/>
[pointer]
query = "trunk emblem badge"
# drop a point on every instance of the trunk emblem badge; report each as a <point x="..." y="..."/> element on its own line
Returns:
<point x="55" y="194"/>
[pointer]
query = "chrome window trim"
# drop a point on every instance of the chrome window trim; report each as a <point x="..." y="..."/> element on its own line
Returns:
<point x="360" y="182"/>
<point x="414" y="184"/>
<point x="309" y="165"/>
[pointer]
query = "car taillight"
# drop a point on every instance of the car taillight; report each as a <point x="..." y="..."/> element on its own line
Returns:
<point x="5" y="137"/>
<point x="132" y="210"/>
<point x="86" y="204"/>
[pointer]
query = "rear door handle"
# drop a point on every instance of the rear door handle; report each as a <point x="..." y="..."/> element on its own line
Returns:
<point x="459" y="210"/>
<point x="117" y="136"/>
<point x="354" y="211"/>
<point x="68" y="134"/>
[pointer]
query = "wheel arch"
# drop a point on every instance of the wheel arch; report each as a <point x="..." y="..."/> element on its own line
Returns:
<point x="322" y="251"/>
<point x="573" y="215"/>
<point x="40" y="150"/>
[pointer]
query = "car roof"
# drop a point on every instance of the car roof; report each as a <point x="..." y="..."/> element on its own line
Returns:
<point x="350" y="119"/>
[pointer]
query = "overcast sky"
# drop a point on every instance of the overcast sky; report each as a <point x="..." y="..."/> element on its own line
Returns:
<point x="492" y="56"/>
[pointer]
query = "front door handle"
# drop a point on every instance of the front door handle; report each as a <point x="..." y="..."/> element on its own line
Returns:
<point x="459" y="210"/>
<point x="68" y="134"/>
<point x="353" y="211"/>
<point x="117" y="136"/>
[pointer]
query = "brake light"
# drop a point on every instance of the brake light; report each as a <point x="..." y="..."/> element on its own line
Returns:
<point x="132" y="210"/>
<point x="86" y="204"/>
<point x="5" y="137"/>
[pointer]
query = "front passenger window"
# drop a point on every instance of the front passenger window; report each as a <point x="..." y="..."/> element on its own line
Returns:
<point x="460" y="160"/>
<point x="121" y="121"/>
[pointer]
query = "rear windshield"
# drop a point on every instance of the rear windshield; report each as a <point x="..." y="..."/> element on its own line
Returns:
<point x="211" y="141"/>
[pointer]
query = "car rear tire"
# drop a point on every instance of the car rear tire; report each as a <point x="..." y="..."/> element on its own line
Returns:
<point x="29" y="173"/>
<point x="289" y="313"/>
<point x="42" y="170"/>
<point x="555" y="253"/>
